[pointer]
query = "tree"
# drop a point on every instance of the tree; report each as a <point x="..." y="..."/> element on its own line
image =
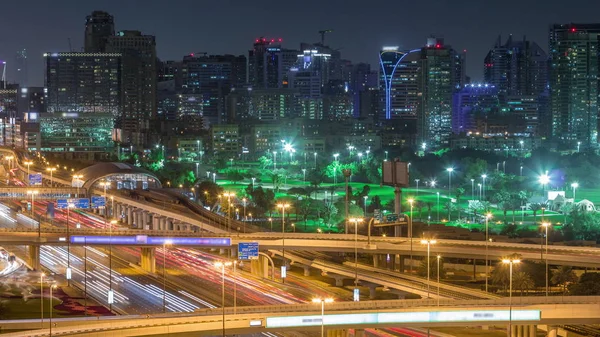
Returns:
<point x="588" y="284"/>
<point x="235" y="175"/>
<point x="563" y="276"/>
<point x="536" y="207"/>
<point x="522" y="281"/>
<point x="328" y="211"/>
<point x="276" y="179"/>
<point x="265" y="162"/>
<point x="433" y="268"/>
<point x="458" y="192"/>
<point x="208" y="191"/>
<point x="566" y="209"/>
<point x="420" y="205"/>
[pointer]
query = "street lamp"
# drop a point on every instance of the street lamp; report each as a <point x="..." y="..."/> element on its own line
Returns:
<point x="33" y="194"/>
<point x="304" y="173"/>
<point x="356" y="221"/>
<point x="271" y="220"/>
<point x="473" y="189"/>
<point x="417" y="181"/>
<point x="322" y="301"/>
<point x="283" y="267"/>
<point x="222" y="265"/>
<point x="52" y="287"/>
<point x="274" y="160"/>
<point x="28" y="163"/>
<point x="510" y="262"/>
<point x="438" y="206"/>
<point x="483" y="177"/>
<point x="244" y="203"/>
<point x="42" y="275"/>
<point x="450" y="170"/>
<point x="229" y="215"/>
<point x="386" y="155"/>
<point x="165" y="244"/>
<point x="574" y="186"/>
<point x="438" y="279"/>
<point x="428" y="242"/>
<point x="51" y="170"/>
<point x="546" y="225"/>
<point x="578" y="146"/>
<point x="365" y="204"/>
<point x="410" y="232"/>
<point x="521" y="171"/>
<point x="315" y="155"/>
<point x="487" y="239"/>
<point x="544" y="179"/>
<point x="479" y="185"/>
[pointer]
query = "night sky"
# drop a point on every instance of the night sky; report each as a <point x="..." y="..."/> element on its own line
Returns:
<point x="230" y="26"/>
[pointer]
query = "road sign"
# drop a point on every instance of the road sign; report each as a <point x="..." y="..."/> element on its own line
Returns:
<point x="35" y="179"/>
<point x="75" y="202"/>
<point x="393" y="217"/>
<point x="377" y="214"/>
<point x="394" y="173"/>
<point x="248" y="250"/>
<point x="98" y="202"/>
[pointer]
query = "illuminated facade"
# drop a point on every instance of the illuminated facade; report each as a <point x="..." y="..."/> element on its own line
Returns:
<point x="87" y="83"/>
<point x="269" y="63"/>
<point x="472" y="103"/>
<point x="574" y="83"/>
<point x="399" y="83"/>
<point x="85" y="137"/>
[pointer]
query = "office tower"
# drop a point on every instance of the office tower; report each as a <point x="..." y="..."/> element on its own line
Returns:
<point x="138" y="84"/>
<point x="439" y="68"/>
<point x="22" y="75"/>
<point x="210" y="79"/>
<point x="169" y="71"/>
<point x="516" y="68"/>
<point x="88" y="83"/>
<point x="574" y="83"/>
<point x="265" y="105"/>
<point x="332" y="65"/>
<point x="337" y="101"/>
<point x="361" y="78"/>
<point x="308" y="85"/>
<point x="99" y="27"/>
<point x="32" y="100"/>
<point x="269" y="63"/>
<point x="527" y="110"/>
<point x="399" y="84"/>
<point x="472" y="106"/>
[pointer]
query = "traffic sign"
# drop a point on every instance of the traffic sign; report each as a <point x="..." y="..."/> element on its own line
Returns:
<point x="76" y="202"/>
<point x="35" y="179"/>
<point x="393" y="217"/>
<point x="248" y="250"/>
<point x="98" y="202"/>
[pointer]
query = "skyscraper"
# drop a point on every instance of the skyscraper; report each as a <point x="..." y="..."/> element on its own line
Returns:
<point x="138" y="84"/>
<point x="269" y="63"/>
<point x="88" y="83"/>
<point x="473" y="103"/>
<point x="574" y="83"/>
<point x="516" y="68"/>
<point x="99" y="26"/>
<point x="399" y="83"/>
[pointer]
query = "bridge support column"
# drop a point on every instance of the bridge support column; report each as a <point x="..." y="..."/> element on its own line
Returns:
<point x="144" y="219"/>
<point x="34" y="257"/>
<point x="169" y="224"/>
<point x="260" y="267"/>
<point x="129" y="216"/>
<point x="359" y="333"/>
<point x="148" y="259"/>
<point x="162" y="224"/>
<point x="372" y="291"/>
<point x="552" y="331"/>
<point x="154" y="226"/>
<point x="339" y="280"/>
<point x="306" y="270"/>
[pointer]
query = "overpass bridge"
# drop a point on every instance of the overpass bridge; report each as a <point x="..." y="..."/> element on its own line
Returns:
<point x="524" y="315"/>
<point x="42" y="192"/>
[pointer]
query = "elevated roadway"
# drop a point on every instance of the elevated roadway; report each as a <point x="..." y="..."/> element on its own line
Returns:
<point x="306" y="317"/>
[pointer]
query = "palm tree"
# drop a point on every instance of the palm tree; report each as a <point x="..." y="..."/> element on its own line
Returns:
<point x="522" y="281"/>
<point x="420" y="205"/>
<point x="429" y="205"/>
<point x="536" y="207"/>
<point x="566" y="209"/>
<point x="563" y="276"/>
<point x="459" y="191"/>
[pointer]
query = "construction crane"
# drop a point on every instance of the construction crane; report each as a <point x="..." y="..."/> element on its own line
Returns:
<point x="323" y="32"/>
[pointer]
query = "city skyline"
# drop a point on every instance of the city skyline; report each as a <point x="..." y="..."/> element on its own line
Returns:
<point x="358" y="35"/>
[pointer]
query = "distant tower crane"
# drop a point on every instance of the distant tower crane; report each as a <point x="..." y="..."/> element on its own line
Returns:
<point x="323" y="32"/>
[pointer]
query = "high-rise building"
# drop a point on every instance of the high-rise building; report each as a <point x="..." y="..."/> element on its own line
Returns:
<point x="399" y="83"/>
<point x="22" y="75"/>
<point x="32" y="100"/>
<point x="99" y="26"/>
<point x="269" y="63"/>
<point x="574" y="83"/>
<point x="516" y="68"/>
<point x="88" y="83"/>
<point x="211" y="78"/>
<point x="138" y="84"/>
<point x="337" y="101"/>
<point x="473" y="103"/>
<point x="263" y="104"/>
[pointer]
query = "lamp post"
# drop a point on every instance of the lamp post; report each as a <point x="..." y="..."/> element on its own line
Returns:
<point x="304" y="178"/>
<point x="271" y="220"/>
<point x="544" y="179"/>
<point x="450" y="170"/>
<point x="483" y="177"/>
<point x="165" y="244"/>
<point x="77" y="178"/>
<point x="229" y="215"/>
<point x="510" y="262"/>
<point x="51" y="170"/>
<point x="410" y="232"/>
<point x="546" y="225"/>
<point x="365" y="204"/>
<point x="521" y="171"/>
<point x="42" y="275"/>
<point x="68" y="271"/>
<point x="473" y="189"/>
<point x="274" y="160"/>
<point x="28" y="163"/>
<point x="315" y="155"/>
<point x="283" y="267"/>
<point x="214" y="177"/>
<point x="487" y="239"/>
<point x="52" y="287"/>
<point x="438" y="279"/>
<point x="578" y="146"/>
<point x="222" y="265"/>
<point x="574" y="186"/>
<point x="33" y="193"/>
<point x="428" y="242"/>
<point x="356" y="221"/>
<point x="417" y="181"/>
<point x="479" y="185"/>
<point x="322" y="301"/>
<point x="438" y="206"/>
<point x="244" y="203"/>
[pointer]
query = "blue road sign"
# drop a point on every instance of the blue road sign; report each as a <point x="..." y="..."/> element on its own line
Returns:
<point x="98" y="202"/>
<point x="35" y="179"/>
<point x="248" y="250"/>
<point x="76" y="203"/>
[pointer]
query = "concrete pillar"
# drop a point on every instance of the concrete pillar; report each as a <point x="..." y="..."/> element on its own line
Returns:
<point x="519" y="329"/>
<point x="34" y="257"/>
<point x="359" y="333"/>
<point x="169" y="224"/>
<point x="163" y="224"/>
<point x="337" y="333"/>
<point x="513" y="330"/>
<point x="339" y="281"/>
<point x="372" y="291"/>
<point x="306" y="271"/>
<point x="552" y="331"/>
<point x="376" y="260"/>
<point x="129" y="216"/>
<point x="260" y="267"/>
<point x="148" y="259"/>
<point x="532" y="330"/>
